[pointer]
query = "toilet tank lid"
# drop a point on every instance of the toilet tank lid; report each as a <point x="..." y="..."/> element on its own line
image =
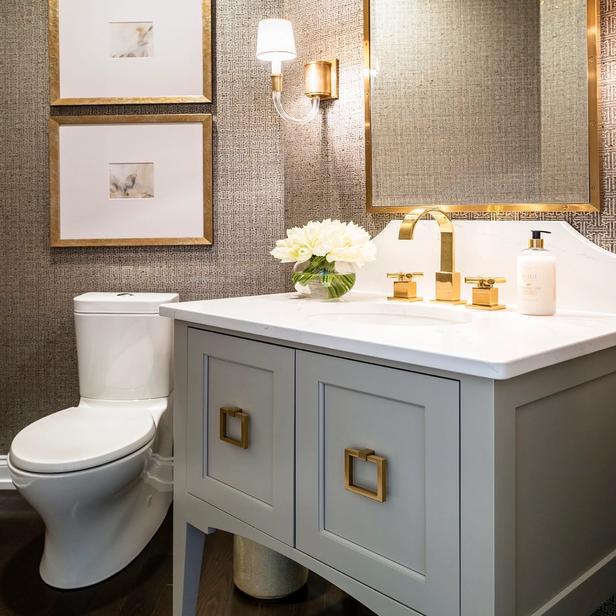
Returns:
<point x="122" y="302"/>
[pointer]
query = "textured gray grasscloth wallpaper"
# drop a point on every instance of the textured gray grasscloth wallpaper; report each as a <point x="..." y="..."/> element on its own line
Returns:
<point x="253" y="200"/>
<point x="38" y="365"/>
<point x="324" y="176"/>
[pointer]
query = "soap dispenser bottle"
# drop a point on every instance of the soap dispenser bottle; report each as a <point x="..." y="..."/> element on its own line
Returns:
<point x="537" y="278"/>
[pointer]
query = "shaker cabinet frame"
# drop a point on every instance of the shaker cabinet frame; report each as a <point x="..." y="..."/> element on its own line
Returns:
<point x="408" y="545"/>
<point x="255" y="483"/>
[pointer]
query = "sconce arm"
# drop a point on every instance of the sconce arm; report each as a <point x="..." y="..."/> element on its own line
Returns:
<point x="312" y="114"/>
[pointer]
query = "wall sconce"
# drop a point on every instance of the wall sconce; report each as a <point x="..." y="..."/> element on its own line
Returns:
<point x="276" y="44"/>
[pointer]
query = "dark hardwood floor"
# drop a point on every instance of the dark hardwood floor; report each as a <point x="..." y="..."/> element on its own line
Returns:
<point x="144" y="587"/>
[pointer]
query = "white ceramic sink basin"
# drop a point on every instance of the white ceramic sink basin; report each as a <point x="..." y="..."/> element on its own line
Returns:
<point x="392" y="314"/>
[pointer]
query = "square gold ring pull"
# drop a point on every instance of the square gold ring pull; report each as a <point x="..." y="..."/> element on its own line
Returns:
<point x="367" y="455"/>
<point x="237" y="413"/>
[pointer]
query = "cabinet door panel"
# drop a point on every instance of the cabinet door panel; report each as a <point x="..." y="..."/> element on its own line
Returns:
<point x="407" y="546"/>
<point x="251" y="479"/>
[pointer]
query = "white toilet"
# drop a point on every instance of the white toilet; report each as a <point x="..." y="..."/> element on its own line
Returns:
<point x="101" y="474"/>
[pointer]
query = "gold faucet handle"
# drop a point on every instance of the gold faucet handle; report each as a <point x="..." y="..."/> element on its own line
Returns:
<point x="484" y="282"/>
<point x="404" y="276"/>
<point x="485" y="295"/>
<point x="405" y="286"/>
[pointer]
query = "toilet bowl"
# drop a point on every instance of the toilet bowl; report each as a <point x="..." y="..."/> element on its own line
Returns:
<point x="100" y="473"/>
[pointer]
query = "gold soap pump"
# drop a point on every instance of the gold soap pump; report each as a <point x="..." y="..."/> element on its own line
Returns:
<point x="536" y="241"/>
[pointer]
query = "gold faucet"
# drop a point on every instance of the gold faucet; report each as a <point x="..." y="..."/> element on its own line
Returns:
<point x="448" y="281"/>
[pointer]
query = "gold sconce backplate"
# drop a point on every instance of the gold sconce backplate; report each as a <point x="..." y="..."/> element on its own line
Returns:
<point x="321" y="79"/>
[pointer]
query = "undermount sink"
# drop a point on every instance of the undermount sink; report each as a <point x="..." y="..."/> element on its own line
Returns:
<point x="390" y="315"/>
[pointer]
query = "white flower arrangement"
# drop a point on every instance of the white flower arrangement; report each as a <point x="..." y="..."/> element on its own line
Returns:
<point x="321" y="250"/>
<point x="332" y="239"/>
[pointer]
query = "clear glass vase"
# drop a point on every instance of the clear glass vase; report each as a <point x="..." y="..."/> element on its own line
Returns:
<point x="319" y="279"/>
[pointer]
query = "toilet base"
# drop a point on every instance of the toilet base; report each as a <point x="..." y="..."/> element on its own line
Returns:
<point x="117" y="550"/>
<point x="97" y="520"/>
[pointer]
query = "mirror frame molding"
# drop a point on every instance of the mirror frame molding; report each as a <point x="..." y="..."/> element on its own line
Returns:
<point x="594" y="140"/>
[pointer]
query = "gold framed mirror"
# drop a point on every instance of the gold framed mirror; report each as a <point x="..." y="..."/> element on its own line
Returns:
<point x="482" y="105"/>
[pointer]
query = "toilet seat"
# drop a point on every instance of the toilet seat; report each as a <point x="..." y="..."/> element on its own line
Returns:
<point x="80" y="438"/>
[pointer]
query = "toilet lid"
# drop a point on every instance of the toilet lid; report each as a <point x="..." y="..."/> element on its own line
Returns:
<point x="79" y="438"/>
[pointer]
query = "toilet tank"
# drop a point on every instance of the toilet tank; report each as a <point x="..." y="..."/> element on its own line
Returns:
<point x="124" y="347"/>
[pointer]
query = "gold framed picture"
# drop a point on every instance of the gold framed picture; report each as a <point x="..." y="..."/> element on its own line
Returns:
<point x="130" y="180"/>
<point x="130" y="52"/>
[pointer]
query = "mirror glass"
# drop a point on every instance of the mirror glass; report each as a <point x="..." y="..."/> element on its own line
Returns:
<point x="481" y="104"/>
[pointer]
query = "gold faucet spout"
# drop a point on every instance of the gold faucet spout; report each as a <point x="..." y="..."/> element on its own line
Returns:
<point x="448" y="281"/>
<point x="407" y="229"/>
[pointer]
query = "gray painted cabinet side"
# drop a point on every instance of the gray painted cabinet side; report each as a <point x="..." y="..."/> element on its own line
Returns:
<point x="563" y="478"/>
<point x="187" y="539"/>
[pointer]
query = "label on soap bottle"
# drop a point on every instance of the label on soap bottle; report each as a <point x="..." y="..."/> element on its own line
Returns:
<point x="537" y="283"/>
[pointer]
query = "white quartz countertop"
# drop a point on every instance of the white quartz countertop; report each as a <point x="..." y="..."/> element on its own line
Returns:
<point x="495" y="345"/>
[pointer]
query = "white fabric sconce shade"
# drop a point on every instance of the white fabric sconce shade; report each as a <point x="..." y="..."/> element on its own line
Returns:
<point x="275" y="44"/>
<point x="275" y="41"/>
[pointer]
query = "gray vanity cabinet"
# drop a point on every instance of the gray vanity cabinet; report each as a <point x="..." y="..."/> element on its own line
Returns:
<point x="352" y="464"/>
<point x="242" y="386"/>
<point x="417" y="491"/>
<point x="408" y="545"/>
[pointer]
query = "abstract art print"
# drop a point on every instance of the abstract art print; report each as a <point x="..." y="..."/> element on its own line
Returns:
<point x="130" y="180"/>
<point x="131" y="39"/>
<point x="130" y="52"/>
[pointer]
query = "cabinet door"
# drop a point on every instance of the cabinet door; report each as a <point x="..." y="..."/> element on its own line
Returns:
<point x="241" y="429"/>
<point x="407" y="546"/>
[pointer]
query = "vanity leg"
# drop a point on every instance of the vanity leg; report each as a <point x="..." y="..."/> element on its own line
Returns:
<point x="188" y="544"/>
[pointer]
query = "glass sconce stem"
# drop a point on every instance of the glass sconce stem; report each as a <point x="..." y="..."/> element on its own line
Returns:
<point x="312" y="114"/>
